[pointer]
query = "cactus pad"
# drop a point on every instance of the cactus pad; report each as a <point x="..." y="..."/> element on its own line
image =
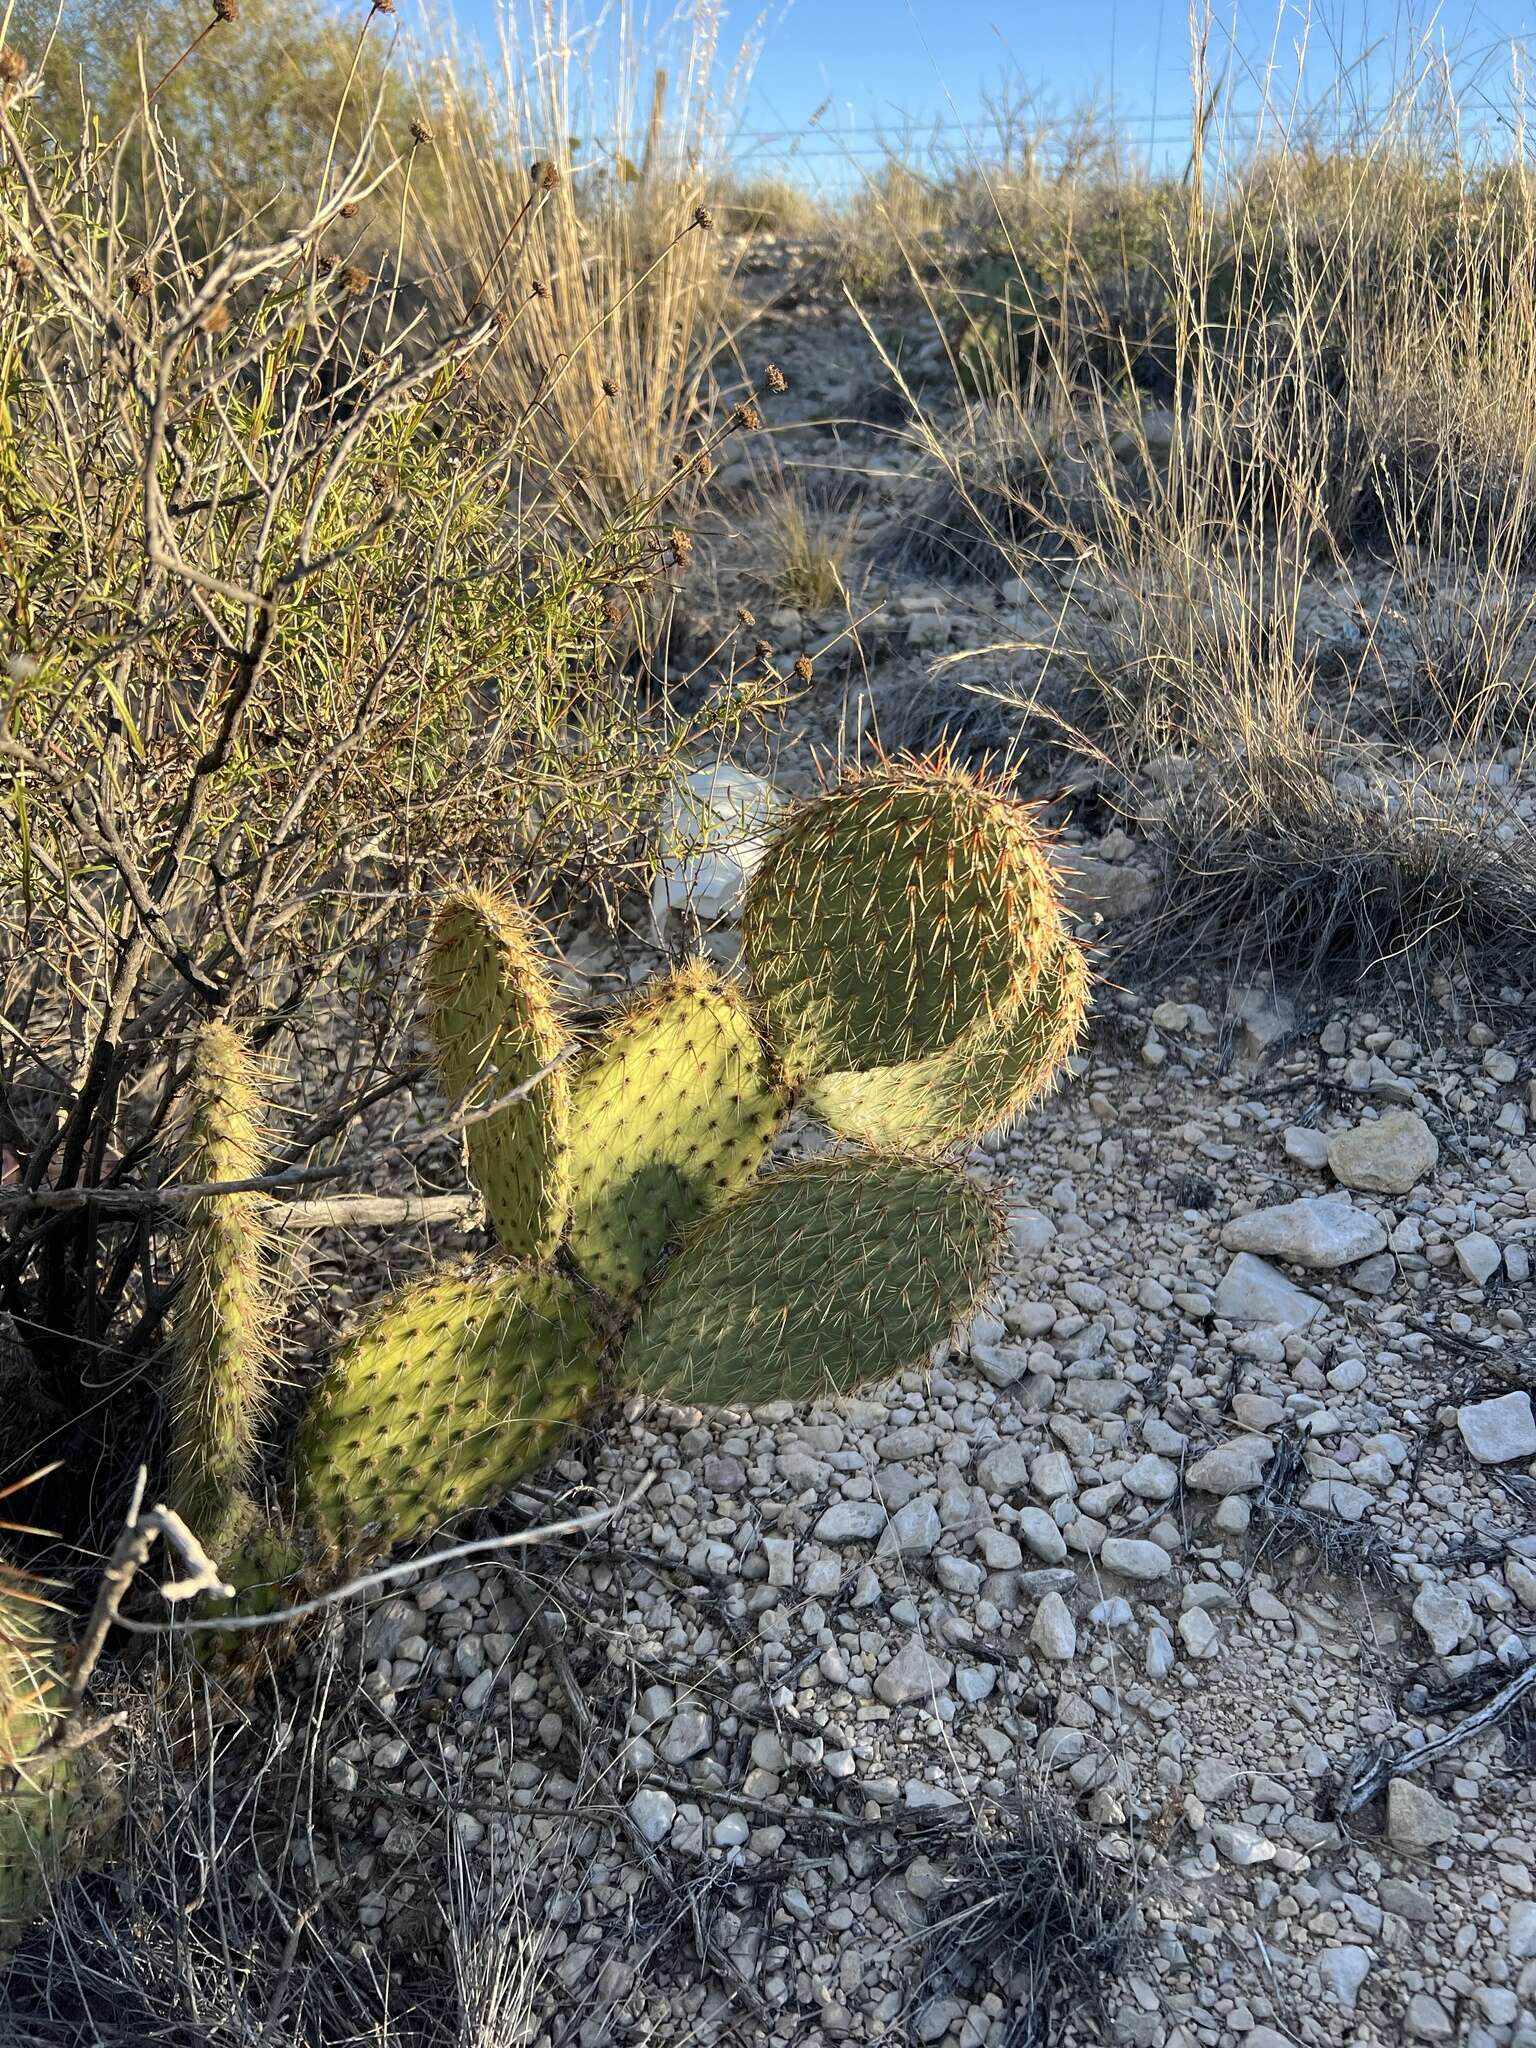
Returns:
<point x="220" y="1378"/>
<point x="892" y="914"/>
<point x="817" y="1278"/>
<point x="672" y="1111"/>
<point x="491" y="1009"/>
<point x="454" y="1388"/>
<point x="984" y="1080"/>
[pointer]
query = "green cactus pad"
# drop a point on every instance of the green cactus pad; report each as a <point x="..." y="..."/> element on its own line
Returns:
<point x="672" y="1111"/>
<point x="454" y="1388"/>
<point x="220" y="1378"/>
<point x="33" y="1817"/>
<point x="892" y="914"/>
<point x="981" y="1082"/>
<point x="492" y="1015"/>
<point x="815" y="1279"/>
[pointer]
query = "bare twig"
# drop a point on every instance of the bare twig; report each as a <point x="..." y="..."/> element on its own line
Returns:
<point x="386" y="1575"/>
<point x="129" y="1556"/>
<point x="1372" y="1773"/>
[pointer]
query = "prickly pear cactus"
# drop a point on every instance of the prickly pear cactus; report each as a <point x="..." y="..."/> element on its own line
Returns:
<point x="221" y="1375"/>
<point x="985" y="1079"/>
<point x="35" y="1802"/>
<point x="814" y="1280"/>
<point x="491" y="1009"/>
<point x="892" y="914"/>
<point x="672" y="1111"/>
<point x="450" y="1392"/>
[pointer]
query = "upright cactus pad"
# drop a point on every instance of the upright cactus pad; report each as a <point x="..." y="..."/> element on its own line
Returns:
<point x="454" y="1388"/>
<point x="221" y="1375"/>
<point x="984" y="1080"/>
<point x="672" y="1111"/>
<point x="35" y="1802"/>
<point x="492" y="1015"/>
<point x="816" y="1278"/>
<point x="892" y="914"/>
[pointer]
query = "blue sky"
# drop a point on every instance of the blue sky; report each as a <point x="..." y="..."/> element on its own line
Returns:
<point x="877" y="60"/>
<point x="854" y="68"/>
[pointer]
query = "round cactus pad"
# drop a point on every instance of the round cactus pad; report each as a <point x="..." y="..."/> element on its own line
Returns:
<point x="455" y="1388"/>
<point x="892" y="914"/>
<point x="981" y="1082"/>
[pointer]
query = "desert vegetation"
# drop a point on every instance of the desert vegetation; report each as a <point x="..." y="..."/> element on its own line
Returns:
<point x="764" y="1067"/>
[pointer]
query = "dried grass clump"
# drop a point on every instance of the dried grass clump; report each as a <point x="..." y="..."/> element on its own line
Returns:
<point x="1012" y="484"/>
<point x="1034" y="1910"/>
<point x="1328" y="874"/>
<point x="805" y="546"/>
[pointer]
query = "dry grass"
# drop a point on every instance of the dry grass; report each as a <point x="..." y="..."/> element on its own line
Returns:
<point x="1034" y="1910"/>
<point x="602" y="254"/>
<point x="804" y="546"/>
<point x="1319" y="537"/>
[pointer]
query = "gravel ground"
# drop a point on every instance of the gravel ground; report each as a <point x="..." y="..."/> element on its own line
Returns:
<point x="1231" y="1480"/>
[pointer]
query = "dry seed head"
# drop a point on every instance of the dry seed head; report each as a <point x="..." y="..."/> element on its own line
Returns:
<point x="745" y="616"/>
<point x="352" y="281"/>
<point x="764" y="650"/>
<point x="537" y="288"/>
<point x="801" y="668"/>
<point x="776" y="380"/>
<point x="140" y="283"/>
<point x="21" y="266"/>
<point x="681" y="545"/>
<point x="422" y="131"/>
<point x="545" y="176"/>
<point x="347" y="212"/>
<point x="216" y="319"/>
<point x="383" y="6"/>
<point x="610" y="388"/>
<point x="702" y="217"/>
<point x="747" y="417"/>
<point x="225" y="10"/>
<point x="13" y="66"/>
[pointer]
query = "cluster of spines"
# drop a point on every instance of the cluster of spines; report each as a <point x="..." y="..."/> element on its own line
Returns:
<point x="221" y="1376"/>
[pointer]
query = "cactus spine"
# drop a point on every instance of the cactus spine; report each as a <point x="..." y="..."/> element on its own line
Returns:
<point x="221" y="1349"/>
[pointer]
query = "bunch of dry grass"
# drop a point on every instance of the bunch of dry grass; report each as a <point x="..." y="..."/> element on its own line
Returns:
<point x="1033" y="1909"/>
<point x="575" y="194"/>
<point x="1323" y="873"/>
<point x="805" y="544"/>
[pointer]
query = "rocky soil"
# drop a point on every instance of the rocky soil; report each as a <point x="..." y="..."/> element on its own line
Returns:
<point x="1231" y="1480"/>
<point x="1228" y="1494"/>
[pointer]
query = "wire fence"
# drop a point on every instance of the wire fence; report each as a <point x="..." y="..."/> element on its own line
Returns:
<point x="836" y="157"/>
